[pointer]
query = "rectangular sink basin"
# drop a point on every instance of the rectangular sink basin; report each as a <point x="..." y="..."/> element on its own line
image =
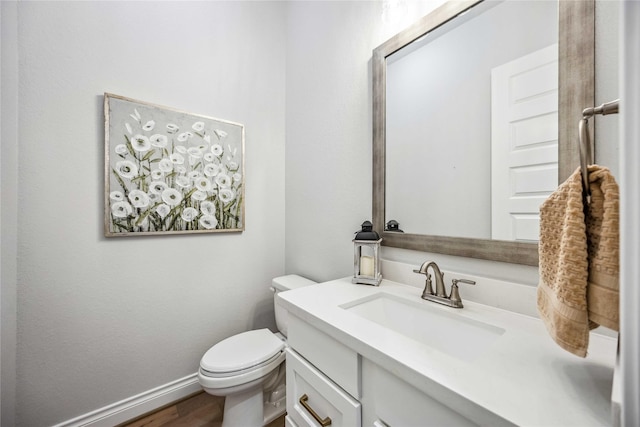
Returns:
<point x="430" y="324"/>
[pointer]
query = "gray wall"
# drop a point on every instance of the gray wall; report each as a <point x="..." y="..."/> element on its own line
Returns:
<point x="8" y="209"/>
<point x="100" y="320"/>
<point x="329" y="138"/>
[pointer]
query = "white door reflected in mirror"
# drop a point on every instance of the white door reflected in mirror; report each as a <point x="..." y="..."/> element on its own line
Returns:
<point x="524" y="143"/>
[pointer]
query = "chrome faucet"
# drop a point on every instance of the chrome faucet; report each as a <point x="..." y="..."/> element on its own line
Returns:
<point x="440" y="295"/>
<point x="439" y="279"/>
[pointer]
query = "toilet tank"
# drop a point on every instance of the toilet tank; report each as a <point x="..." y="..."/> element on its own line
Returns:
<point x="281" y="284"/>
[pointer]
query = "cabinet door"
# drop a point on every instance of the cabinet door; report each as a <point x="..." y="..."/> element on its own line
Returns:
<point x="389" y="401"/>
<point x="314" y="400"/>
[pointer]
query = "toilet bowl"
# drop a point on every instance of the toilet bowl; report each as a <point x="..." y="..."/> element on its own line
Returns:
<point x="248" y="368"/>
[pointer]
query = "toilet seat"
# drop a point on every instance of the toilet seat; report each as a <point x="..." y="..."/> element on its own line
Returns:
<point x="239" y="371"/>
<point x="241" y="358"/>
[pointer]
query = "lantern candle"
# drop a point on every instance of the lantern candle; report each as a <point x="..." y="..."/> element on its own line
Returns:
<point x="366" y="265"/>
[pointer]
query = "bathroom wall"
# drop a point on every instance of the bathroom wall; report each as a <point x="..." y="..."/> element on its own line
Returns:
<point x="8" y="209"/>
<point x="329" y="142"/>
<point x="100" y="320"/>
<point x="328" y="151"/>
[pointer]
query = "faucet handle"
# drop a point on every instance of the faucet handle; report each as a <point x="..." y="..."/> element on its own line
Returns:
<point x="454" y="282"/>
<point x="455" y="294"/>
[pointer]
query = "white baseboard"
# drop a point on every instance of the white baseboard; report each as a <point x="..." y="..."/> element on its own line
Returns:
<point x="132" y="407"/>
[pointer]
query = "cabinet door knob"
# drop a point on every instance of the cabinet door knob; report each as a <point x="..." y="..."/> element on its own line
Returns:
<point x="323" y="422"/>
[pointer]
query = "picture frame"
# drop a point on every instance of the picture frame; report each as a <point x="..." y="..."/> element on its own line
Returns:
<point x="170" y="172"/>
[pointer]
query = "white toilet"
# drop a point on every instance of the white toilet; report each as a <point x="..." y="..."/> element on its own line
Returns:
<point x="248" y="368"/>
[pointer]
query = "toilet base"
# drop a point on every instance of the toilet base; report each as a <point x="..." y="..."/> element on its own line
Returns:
<point x="243" y="409"/>
<point x="253" y="409"/>
<point x="252" y="405"/>
<point x="275" y="403"/>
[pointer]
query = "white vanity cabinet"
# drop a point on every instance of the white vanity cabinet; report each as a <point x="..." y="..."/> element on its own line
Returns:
<point x="322" y="379"/>
<point x="369" y="371"/>
<point x="389" y="401"/>
<point x="328" y="381"/>
<point x="313" y="399"/>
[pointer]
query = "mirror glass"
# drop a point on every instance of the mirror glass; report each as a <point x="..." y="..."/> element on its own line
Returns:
<point x="451" y="95"/>
<point x="474" y="123"/>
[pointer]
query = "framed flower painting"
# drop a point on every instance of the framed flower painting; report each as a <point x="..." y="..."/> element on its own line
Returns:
<point x="168" y="171"/>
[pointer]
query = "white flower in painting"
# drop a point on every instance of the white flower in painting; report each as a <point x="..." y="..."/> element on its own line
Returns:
<point x="207" y="208"/>
<point x="232" y="166"/>
<point x="165" y="165"/>
<point x="217" y="150"/>
<point x="223" y="180"/>
<point x="157" y="174"/>
<point x="171" y="128"/>
<point x="121" y="209"/>
<point x="198" y="126"/>
<point x="180" y="149"/>
<point x="189" y="214"/>
<point x="116" y="196"/>
<point x="121" y="149"/>
<point x="139" y="198"/>
<point x="208" y="221"/>
<point x="149" y="125"/>
<point x="207" y="139"/>
<point x="198" y="195"/>
<point x="171" y="196"/>
<point x="153" y="197"/>
<point x="183" y="182"/>
<point x="237" y="177"/>
<point x="226" y="195"/>
<point x="209" y="157"/>
<point x="176" y="158"/>
<point x="203" y="184"/>
<point x="157" y="187"/>
<point x="163" y="210"/>
<point x="195" y="152"/>
<point x="220" y="134"/>
<point x="159" y="140"/>
<point x="128" y="126"/>
<point x="127" y="169"/>
<point x="211" y="169"/>
<point x="184" y="136"/>
<point x="181" y="170"/>
<point x="140" y="143"/>
<point x="193" y="175"/>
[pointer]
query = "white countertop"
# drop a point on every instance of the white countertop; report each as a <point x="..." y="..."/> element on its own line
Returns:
<point x="523" y="377"/>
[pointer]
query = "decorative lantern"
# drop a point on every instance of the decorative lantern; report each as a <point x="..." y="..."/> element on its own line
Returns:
<point x="366" y="256"/>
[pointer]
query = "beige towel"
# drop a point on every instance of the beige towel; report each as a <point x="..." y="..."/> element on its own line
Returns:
<point x="579" y="259"/>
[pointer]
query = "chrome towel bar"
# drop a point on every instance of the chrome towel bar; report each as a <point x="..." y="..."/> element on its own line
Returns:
<point x="584" y="142"/>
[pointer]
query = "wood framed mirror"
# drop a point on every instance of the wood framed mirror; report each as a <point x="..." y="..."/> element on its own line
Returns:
<point x="576" y="89"/>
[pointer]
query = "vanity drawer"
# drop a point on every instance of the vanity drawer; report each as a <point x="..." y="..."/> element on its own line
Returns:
<point x="334" y="359"/>
<point x="313" y="398"/>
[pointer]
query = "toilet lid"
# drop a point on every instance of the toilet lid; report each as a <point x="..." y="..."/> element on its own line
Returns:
<point x="242" y="351"/>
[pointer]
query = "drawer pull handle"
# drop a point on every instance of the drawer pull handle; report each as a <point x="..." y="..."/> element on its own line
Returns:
<point x="324" y="423"/>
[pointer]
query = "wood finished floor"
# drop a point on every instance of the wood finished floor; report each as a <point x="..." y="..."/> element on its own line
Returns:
<point x="200" y="410"/>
